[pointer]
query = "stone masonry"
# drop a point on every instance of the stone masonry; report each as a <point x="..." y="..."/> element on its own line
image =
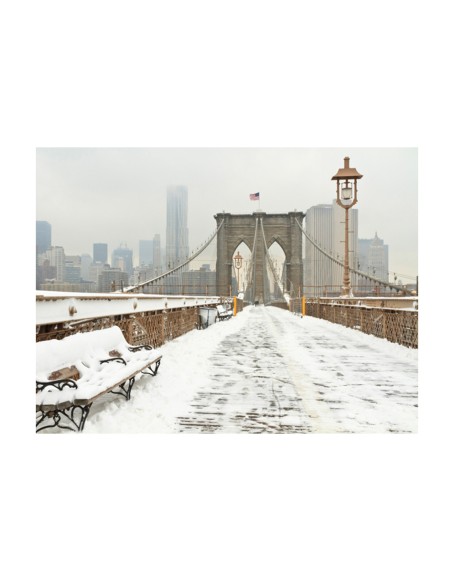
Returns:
<point x="240" y="228"/>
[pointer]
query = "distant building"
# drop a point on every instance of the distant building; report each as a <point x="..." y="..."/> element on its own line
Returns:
<point x="45" y="272"/>
<point x="43" y="236"/>
<point x="325" y="225"/>
<point x="100" y="253"/>
<point x="373" y="258"/>
<point x="318" y="267"/>
<point x="199" y="282"/>
<point x="83" y="287"/>
<point x="122" y="259"/>
<point x="95" y="270"/>
<point x="142" y="274"/>
<point x="177" y="245"/>
<point x="85" y="264"/>
<point x="172" y="284"/>
<point x="73" y="269"/>
<point x="157" y="255"/>
<point x="50" y="265"/>
<point x="146" y="248"/>
<point x="111" y="279"/>
<point x="56" y="256"/>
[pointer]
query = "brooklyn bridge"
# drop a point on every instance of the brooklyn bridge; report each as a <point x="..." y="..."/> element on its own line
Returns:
<point x="257" y="356"/>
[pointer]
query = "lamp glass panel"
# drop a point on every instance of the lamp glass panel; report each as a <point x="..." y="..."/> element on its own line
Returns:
<point x="346" y="192"/>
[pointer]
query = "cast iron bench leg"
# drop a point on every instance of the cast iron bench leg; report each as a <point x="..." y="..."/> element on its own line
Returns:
<point x="125" y="391"/>
<point x="75" y="423"/>
<point x="153" y="371"/>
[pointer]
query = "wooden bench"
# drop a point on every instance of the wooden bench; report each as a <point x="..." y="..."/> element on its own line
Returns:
<point x="224" y="312"/>
<point x="73" y="372"/>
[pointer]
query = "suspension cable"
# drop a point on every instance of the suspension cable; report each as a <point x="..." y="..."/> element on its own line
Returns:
<point x="194" y="256"/>
<point x="270" y="262"/>
<point x="252" y="269"/>
<point x="360" y="273"/>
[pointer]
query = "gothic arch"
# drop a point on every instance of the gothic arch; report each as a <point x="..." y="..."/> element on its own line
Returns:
<point x="237" y="228"/>
<point x="276" y="239"/>
<point x="239" y="242"/>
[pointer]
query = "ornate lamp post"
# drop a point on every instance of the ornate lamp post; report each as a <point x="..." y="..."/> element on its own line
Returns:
<point x="347" y="191"/>
<point x="238" y="262"/>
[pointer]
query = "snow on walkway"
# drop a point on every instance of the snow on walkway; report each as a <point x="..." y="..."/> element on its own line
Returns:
<point x="267" y="370"/>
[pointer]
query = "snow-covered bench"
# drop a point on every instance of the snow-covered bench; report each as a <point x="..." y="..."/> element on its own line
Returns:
<point x="224" y="312"/>
<point x="73" y="372"/>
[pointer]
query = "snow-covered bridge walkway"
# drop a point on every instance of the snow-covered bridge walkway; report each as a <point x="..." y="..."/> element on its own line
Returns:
<point x="267" y="370"/>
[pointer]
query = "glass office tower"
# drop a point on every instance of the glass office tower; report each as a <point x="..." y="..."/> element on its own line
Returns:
<point x="177" y="239"/>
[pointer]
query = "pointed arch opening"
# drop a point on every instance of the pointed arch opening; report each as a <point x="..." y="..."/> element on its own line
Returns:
<point x="241" y="269"/>
<point x="276" y="272"/>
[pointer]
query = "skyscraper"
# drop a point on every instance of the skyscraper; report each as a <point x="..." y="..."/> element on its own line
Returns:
<point x="157" y="259"/>
<point x="100" y="253"/>
<point x="177" y="245"/>
<point x="85" y="264"/>
<point x="317" y="266"/>
<point x="145" y="252"/>
<point x="56" y="256"/>
<point x="373" y="257"/>
<point x="325" y="225"/>
<point x="43" y="236"/>
<point x="122" y="259"/>
<point x="72" y="268"/>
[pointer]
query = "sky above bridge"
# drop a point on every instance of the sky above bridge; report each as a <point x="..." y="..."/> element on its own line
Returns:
<point x="118" y="195"/>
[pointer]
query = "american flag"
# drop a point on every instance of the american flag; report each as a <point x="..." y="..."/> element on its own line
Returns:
<point x="255" y="196"/>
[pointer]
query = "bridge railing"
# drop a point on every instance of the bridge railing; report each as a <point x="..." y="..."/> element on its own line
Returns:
<point x="144" y="319"/>
<point x="394" y="319"/>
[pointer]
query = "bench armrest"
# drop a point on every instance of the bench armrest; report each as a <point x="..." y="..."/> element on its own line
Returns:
<point x="138" y="348"/>
<point x="59" y="384"/>
<point x="116" y="359"/>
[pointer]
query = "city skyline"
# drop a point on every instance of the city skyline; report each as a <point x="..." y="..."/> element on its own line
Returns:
<point x="119" y="194"/>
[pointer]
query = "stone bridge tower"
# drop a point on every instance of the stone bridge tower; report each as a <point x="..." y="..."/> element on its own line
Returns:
<point x="241" y="228"/>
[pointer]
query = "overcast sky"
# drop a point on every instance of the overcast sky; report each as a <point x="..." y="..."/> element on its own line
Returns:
<point x="118" y="195"/>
